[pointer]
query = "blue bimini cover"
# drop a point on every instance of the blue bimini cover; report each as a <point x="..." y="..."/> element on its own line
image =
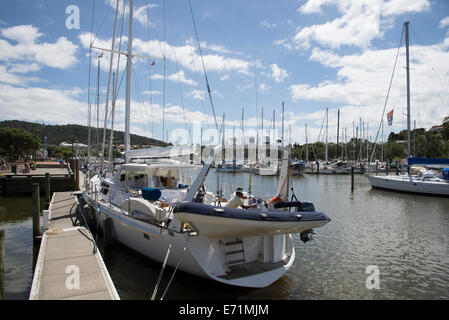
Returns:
<point x="445" y="173"/>
<point x="151" y="194"/>
<point x="251" y="214"/>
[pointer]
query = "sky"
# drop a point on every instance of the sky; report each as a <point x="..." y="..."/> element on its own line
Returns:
<point x="258" y="55"/>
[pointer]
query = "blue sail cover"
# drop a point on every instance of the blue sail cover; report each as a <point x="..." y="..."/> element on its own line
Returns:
<point x="428" y="161"/>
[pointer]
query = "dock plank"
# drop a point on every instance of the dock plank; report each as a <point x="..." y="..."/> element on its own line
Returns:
<point x="67" y="258"/>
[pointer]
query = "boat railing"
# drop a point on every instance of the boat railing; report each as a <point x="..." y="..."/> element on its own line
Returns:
<point x="95" y="190"/>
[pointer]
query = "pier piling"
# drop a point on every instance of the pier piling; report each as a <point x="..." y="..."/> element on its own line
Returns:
<point x="47" y="189"/>
<point x="36" y="210"/>
<point x="2" y="264"/>
<point x="352" y="179"/>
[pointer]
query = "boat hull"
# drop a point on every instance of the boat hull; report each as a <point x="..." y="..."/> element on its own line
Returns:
<point x="404" y="184"/>
<point x="153" y="242"/>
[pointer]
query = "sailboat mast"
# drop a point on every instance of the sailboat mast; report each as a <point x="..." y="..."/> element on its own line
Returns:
<point x="408" y="86"/>
<point x="128" y="81"/>
<point x="327" y="126"/>
<point x="282" y="124"/>
<point x="307" y="147"/>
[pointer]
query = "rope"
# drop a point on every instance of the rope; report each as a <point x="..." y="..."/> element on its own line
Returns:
<point x="176" y="269"/>
<point x="204" y="67"/>
<point x="386" y="99"/>
<point x="162" y="270"/>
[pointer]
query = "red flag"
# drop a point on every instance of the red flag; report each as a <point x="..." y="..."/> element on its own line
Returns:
<point x="390" y="118"/>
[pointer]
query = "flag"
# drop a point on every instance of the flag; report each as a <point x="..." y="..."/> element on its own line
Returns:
<point x="390" y="118"/>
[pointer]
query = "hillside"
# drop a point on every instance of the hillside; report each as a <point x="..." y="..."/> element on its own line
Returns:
<point x="67" y="133"/>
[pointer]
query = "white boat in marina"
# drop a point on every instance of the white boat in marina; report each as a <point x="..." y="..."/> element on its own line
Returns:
<point x="161" y="208"/>
<point x="269" y="170"/>
<point x="412" y="184"/>
<point x="420" y="184"/>
<point x="150" y="208"/>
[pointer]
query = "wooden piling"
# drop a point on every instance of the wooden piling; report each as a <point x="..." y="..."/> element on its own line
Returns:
<point x="36" y="210"/>
<point x="352" y="179"/>
<point x="47" y="189"/>
<point x="2" y="264"/>
<point x="317" y="167"/>
<point x="77" y="174"/>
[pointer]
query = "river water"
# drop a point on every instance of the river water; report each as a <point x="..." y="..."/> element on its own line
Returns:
<point x="404" y="237"/>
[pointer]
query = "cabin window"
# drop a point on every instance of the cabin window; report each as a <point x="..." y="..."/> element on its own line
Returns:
<point x="165" y="178"/>
<point x="134" y="178"/>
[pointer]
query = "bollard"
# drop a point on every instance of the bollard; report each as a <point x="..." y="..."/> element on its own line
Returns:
<point x="2" y="264"/>
<point x="36" y="210"/>
<point x="352" y="179"/>
<point x="47" y="189"/>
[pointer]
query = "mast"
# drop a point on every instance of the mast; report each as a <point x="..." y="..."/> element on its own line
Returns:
<point x="327" y="125"/>
<point x="338" y="130"/>
<point x="408" y="86"/>
<point x="128" y="81"/>
<point x="307" y="147"/>
<point x="108" y="87"/>
<point x="282" y="124"/>
<point x="98" y="107"/>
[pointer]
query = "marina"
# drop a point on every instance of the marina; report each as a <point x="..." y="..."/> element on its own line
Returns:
<point x="405" y="235"/>
<point x="193" y="202"/>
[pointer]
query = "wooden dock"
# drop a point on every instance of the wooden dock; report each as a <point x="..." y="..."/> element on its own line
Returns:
<point x="61" y="179"/>
<point x="68" y="266"/>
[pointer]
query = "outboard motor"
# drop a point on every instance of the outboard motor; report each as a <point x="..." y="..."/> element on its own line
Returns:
<point x="307" y="235"/>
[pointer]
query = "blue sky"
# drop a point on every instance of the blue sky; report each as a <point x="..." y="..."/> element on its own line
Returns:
<point x="312" y="55"/>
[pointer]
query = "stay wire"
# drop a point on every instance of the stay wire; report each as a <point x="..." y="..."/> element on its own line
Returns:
<point x="388" y="94"/>
<point x="204" y="66"/>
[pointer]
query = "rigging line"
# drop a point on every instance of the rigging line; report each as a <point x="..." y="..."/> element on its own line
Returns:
<point x="101" y="25"/>
<point x="388" y="94"/>
<point x="149" y="70"/>
<point x="195" y="69"/>
<point x="177" y="266"/>
<point x="89" y="103"/>
<point x="179" y="79"/>
<point x="165" y="74"/>
<point x="428" y="61"/>
<point x="204" y="66"/>
<point x="116" y="89"/>
<point x="139" y="97"/>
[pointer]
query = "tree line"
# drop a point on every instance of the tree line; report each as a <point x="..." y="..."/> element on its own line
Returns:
<point x="428" y="144"/>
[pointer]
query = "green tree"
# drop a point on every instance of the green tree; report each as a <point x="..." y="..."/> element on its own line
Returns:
<point x="15" y="143"/>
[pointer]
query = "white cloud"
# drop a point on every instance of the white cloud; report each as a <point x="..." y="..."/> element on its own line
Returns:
<point x="278" y="74"/>
<point x="29" y="104"/>
<point x="9" y="77"/>
<point x="363" y="79"/>
<point x="26" y="47"/>
<point x="358" y="24"/>
<point x="266" y="24"/>
<point x="196" y="94"/>
<point x="444" y="22"/>
<point x="176" y="77"/>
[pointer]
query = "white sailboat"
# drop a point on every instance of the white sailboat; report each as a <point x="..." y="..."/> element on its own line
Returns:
<point x="420" y="184"/>
<point x="160" y="208"/>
